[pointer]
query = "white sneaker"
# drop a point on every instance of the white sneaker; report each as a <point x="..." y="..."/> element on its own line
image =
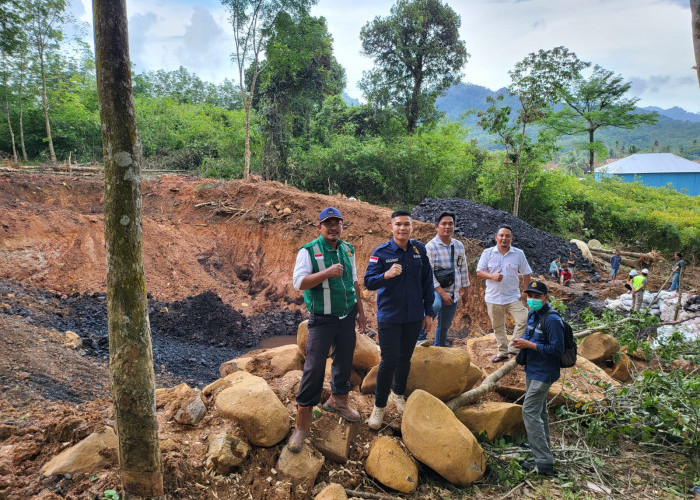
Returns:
<point x="376" y="418"/>
<point x="398" y="400"/>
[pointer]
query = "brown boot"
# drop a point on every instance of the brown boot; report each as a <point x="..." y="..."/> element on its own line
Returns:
<point x="301" y="429"/>
<point x="339" y="404"/>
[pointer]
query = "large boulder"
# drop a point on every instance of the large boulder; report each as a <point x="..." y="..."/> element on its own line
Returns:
<point x="93" y="453"/>
<point x="585" y="251"/>
<point x="622" y="370"/>
<point x="598" y="347"/>
<point x="434" y="435"/>
<point x="300" y="468"/>
<point x="226" y="451"/>
<point x="332" y="436"/>
<point x="440" y="371"/>
<point x="367" y="353"/>
<point x="389" y="464"/>
<point x="581" y="383"/>
<point x="181" y="403"/>
<point x="369" y="383"/>
<point x="250" y="402"/>
<point x="473" y="376"/>
<point x="494" y="418"/>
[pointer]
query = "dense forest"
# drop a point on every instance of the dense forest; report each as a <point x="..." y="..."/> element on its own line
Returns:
<point x="524" y="149"/>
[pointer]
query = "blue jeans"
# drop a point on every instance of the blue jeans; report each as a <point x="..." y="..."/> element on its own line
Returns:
<point x="445" y="315"/>
<point x="536" y="420"/>
<point x="674" y="282"/>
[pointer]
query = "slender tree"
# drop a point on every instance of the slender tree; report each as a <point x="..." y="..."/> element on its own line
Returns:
<point x="535" y="81"/>
<point x="695" y="23"/>
<point x="300" y="72"/>
<point x="130" y="350"/>
<point x="595" y="102"/>
<point x="45" y="18"/>
<point x="10" y="29"/>
<point x="252" y="21"/>
<point x="417" y="54"/>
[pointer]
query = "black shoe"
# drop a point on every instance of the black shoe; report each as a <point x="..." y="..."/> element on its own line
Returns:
<point x="541" y="469"/>
<point x="526" y="445"/>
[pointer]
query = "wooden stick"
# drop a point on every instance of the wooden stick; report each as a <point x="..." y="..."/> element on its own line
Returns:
<point x="486" y="386"/>
<point x="490" y="382"/>
<point x="362" y="494"/>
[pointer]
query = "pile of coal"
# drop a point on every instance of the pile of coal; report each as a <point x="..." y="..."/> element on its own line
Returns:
<point x="476" y="221"/>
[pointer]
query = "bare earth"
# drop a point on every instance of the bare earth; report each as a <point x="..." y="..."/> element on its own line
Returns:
<point x="218" y="258"/>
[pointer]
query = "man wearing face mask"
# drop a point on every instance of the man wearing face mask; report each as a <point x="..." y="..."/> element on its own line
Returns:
<point x="542" y="346"/>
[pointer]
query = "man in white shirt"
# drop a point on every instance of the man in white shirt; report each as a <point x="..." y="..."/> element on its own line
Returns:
<point x="499" y="266"/>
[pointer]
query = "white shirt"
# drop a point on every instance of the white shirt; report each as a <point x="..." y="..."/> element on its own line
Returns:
<point x="303" y="267"/>
<point x="513" y="262"/>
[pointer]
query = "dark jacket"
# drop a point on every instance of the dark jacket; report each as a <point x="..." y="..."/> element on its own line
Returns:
<point x="543" y="364"/>
<point x="409" y="296"/>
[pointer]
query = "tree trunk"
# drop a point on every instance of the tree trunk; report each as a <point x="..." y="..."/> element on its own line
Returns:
<point x="21" y="109"/>
<point x="45" y="106"/>
<point x="591" y="153"/>
<point x="695" y="13"/>
<point x="12" y="133"/>
<point x="246" y="168"/>
<point x="130" y="349"/>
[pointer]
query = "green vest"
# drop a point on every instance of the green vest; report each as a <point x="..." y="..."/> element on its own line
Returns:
<point x="334" y="296"/>
<point x="637" y="282"/>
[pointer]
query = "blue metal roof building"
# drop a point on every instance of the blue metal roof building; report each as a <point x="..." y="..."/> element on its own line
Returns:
<point x="656" y="169"/>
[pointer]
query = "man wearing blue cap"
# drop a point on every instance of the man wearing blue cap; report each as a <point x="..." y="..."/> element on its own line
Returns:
<point x="325" y="270"/>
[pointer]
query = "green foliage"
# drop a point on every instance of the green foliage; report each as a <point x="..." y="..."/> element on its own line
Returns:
<point x="595" y="102"/>
<point x="630" y="212"/>
<point x="110" y="495"/>
<point x="186" y="88"/>
<point x="199" y="131"/>
<point x="393" y="170"/>
<point x="299" y="72"/>
<point x="417" y="55"/>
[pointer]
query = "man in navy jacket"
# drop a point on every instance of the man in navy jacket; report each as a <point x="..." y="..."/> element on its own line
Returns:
<point x="400" y="272"/>
<point x="543" y="349"/>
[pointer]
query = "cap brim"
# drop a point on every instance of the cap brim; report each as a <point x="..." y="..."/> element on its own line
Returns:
<point x="331" y="217"/>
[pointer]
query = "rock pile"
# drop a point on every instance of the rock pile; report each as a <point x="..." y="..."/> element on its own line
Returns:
<point x="664" y="307"/>
<point x="480" y="222"/>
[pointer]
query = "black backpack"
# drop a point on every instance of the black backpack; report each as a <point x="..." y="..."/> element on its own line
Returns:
<point x="568" y="359"/>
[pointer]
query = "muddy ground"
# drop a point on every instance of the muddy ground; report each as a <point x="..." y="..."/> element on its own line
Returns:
<point x="218" y="258"/>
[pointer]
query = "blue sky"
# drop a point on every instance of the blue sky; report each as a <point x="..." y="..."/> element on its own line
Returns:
<point x="648" y="42"/>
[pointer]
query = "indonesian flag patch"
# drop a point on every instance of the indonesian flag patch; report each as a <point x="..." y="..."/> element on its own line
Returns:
<point x="318" y="256"/>
<point x="374" y="258"/>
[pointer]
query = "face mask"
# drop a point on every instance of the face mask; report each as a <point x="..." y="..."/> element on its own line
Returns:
<point x="534" y="304"/>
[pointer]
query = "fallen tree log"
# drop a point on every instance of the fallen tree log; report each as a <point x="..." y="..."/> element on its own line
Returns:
<point x="487" y="385"/>
<point x="490" y="382"/>
<point x="606" y="258"/>
<point x="653" y="254"/>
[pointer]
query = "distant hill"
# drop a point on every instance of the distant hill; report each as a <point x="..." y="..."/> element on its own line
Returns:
<point x="676" y="113"/>
<point x="350" y="101"/>
<point x="677" y="130"/>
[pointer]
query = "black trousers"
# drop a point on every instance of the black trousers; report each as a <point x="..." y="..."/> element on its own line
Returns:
<point x="326" y="332"/>
<point x="397" y="342"/>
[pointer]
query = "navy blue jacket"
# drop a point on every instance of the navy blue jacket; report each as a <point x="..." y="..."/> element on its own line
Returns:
<point x="409" y="296"/>
<point x="543" y="364"/>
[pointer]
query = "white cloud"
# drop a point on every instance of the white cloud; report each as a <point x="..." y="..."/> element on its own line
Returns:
<point x="639" y="39"/>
